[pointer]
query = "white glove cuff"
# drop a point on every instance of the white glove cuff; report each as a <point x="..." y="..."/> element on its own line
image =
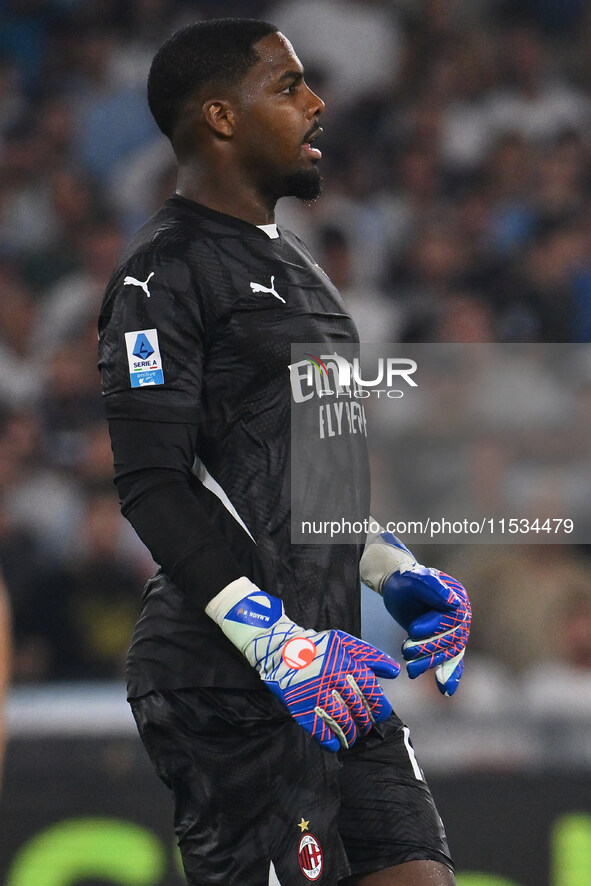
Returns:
<point x="380" y="560"/>
<point x="219" y="606"/>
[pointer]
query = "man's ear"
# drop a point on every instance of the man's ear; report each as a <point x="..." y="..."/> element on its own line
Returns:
<point x="219" y="116"/>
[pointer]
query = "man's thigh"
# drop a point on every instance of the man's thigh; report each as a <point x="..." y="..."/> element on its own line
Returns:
<point x="410" y="873"/>
<point x="250" y="786"/>
<point x="388" y="816"/>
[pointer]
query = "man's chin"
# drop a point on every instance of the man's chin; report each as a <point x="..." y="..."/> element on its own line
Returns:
<point x="305" y="184"/>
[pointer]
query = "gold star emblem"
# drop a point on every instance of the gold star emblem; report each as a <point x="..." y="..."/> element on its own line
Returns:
<point x="303" y="825"/>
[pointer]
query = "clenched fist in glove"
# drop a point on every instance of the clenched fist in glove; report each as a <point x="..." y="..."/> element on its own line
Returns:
<point x="432" y="607"/>
<point x="326" y="679"/>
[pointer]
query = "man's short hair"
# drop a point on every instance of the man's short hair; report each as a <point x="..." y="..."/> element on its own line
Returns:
<point x="214" y="50"/>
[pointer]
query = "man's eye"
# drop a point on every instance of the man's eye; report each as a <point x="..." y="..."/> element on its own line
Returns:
<point x="291" y="89"/>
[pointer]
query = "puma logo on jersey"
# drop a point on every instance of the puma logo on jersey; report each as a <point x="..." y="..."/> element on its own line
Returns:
<point x="258" y="287"/>
<point x="131" y="281"/>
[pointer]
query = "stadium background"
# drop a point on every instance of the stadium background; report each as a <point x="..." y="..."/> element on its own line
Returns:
<point x="457" y="208"/>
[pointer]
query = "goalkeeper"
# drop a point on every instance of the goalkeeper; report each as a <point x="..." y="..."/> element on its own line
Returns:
<point x="256" y="701"/>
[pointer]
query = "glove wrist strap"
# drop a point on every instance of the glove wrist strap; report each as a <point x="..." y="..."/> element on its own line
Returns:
<point x="244" y="612"/>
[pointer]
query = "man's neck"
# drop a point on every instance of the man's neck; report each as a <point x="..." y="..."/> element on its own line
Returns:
<point x="226" y="194"/>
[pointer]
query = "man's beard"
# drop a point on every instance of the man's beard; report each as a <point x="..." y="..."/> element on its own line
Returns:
<point x="306" y="184"/>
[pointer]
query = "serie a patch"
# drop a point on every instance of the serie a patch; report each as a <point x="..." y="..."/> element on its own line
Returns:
<point x="143" y="358"/>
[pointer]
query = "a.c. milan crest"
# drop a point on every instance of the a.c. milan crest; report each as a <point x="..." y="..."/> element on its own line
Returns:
<point x="310" y="857"/>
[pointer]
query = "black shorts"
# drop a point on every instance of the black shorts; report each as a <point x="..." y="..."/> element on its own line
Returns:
<point x="252" y="788"/>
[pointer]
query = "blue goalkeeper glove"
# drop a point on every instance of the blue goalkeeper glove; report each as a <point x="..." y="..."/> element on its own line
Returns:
<point x="326" y="679"/>
<point x="431" y="606"/>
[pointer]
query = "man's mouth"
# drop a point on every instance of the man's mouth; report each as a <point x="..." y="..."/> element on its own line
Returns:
<point x="307" y="149"/>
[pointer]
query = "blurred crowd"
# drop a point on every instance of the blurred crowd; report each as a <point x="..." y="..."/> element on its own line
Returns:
<point x="456" y="208"/>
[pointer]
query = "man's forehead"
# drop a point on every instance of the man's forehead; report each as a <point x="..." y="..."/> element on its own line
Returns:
<point x="276" y="55"/>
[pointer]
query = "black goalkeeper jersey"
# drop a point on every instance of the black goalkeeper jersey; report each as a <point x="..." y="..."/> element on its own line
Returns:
<point x="195" y="334"/>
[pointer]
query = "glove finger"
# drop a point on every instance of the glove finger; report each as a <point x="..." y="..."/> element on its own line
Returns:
<point x="334" y="712"/>
<point x="374" y="698"/>
<point x="322" y="728"/>
<point x="427" y="586"/>
<point x="388" y="669"/>
<point x="302" y="705"/>
<point x="349" y="694"/>
<point x="382" y="665"/>
<point x="380" y="662"/>
<point x="419" y="666"/>
<point x="454" y="585"/>
<point x="454" y="640"/>
<point x="381" y="708"/>
<point x="426" y="625"/>
<point x="440" y="622"/>
<point x="448" y="675"/>
<point x="306" y="701"/>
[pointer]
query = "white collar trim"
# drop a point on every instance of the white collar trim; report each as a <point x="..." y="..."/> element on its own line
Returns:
<point x="270" y="230"/>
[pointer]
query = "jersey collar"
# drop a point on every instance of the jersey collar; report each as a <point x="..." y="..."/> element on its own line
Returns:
<point x="222" y="218"/>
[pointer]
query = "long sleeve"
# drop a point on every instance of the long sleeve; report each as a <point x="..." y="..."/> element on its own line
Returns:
<point x="155" y="486"/>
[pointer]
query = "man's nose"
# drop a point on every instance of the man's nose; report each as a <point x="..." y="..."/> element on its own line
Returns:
<point x="315" y="105"/>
